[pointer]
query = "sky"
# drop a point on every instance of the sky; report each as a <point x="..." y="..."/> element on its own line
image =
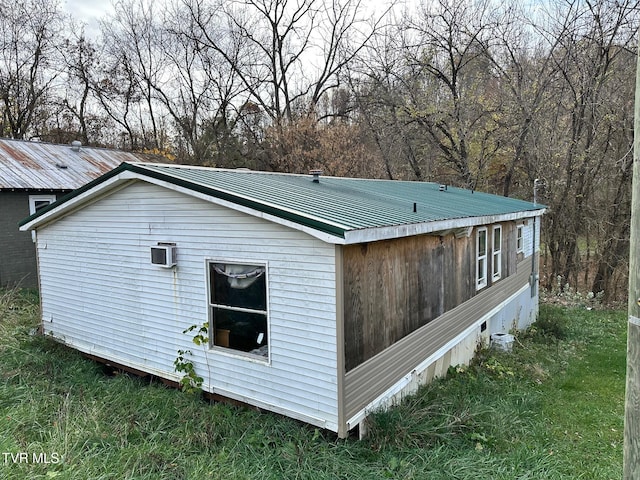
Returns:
<point x="91" y="11"/>
<point x="88" y="11"/>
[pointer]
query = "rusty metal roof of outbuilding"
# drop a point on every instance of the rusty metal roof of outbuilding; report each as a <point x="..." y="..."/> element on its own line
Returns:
<point x="41" y="166"/>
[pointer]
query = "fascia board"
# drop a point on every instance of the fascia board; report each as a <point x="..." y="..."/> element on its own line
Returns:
<point x="425" y="228"/>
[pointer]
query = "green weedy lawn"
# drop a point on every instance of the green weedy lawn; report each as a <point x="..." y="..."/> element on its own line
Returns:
<point x="553" y="409"/>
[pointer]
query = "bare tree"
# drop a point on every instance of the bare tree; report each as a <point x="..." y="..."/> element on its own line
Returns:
<point x="286" y="54"/>
<point x="116" y="89"/>
<point x="198" y="89"/>
<point x="80" y="63"/>
<point x="131" y="41"/>
<point x="448" y="49"/>
<point x="580" y="152"/>
<point x="30" y="36"/>
<point x="523" y="60"/>
<point x="381" y="80"/>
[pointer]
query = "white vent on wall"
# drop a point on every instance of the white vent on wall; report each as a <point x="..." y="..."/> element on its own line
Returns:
<point x="164" y="255"/>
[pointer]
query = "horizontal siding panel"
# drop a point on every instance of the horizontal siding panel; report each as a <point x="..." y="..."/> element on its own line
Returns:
<point x="313" y="349"/>
<point x="271" y="385"/>
<point x="369" y="380"/>
<point x="316" y="352"/>
<point x="119" y="334"/>
<point x="136" y="360"/>
<point x="291" y="326"/>
<point x="103" y="293"/>
<point x="261" y="374"/>
<point x="141" y="360"/>
<point x="298" y="280"/>
<point x="295" y="402"/>
<point x="291" y="306"/>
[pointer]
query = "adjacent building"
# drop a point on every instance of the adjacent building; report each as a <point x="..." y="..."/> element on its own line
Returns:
<point x="33" y="175"/>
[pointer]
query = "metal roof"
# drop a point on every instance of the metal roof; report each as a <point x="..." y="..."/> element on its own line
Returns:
<point x="28" y="165"/>
<point x="334" y="205"/>
<point x="353" y="203"/>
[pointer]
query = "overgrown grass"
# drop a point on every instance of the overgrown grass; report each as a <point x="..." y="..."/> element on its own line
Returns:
<point x="552" y="409"/>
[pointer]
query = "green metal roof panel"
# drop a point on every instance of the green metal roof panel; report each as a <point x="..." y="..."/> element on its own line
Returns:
<point x="349" y="203"/>
<point x="334" y="206"/>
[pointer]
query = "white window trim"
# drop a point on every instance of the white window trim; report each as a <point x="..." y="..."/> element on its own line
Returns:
<point x="39" y="198"/>
<point x="32" y="207"/>
<point x="496" y="254"/>
<point x="520" y="238"/>
<point x="481" y="277"/>
<point x="230" y="352"/>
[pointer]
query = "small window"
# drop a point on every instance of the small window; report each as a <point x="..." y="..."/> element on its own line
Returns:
<point x="520" y="239"/>
<point x="481" y="258"/>
<point x="38" y="202"/>
<point x="238" y="308"/>
<point x="497" y="253"/>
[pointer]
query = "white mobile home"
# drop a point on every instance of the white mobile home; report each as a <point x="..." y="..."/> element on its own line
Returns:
<point x="323" y="298"/>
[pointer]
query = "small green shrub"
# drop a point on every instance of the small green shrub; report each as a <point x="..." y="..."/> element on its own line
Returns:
<point x="191" y="382"/>
<point x="551" y="325"/>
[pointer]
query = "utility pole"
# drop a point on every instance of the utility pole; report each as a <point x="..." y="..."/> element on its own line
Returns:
<point x="632" y="397"/>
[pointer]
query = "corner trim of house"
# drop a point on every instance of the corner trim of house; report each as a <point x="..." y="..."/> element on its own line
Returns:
<point x="343" y="432"/>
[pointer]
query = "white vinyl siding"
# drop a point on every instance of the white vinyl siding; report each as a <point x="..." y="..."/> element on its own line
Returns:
<point x="101" y="294"/>
<point x="528" y="236"/>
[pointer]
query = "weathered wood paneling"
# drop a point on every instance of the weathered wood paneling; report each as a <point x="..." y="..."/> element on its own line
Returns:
<point x="371" y="379"/>
<point x="101" y="294"/>
<point x="394" y="287"/>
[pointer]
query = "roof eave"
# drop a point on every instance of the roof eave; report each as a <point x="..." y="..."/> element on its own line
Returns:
<point x="433" y="227"/>
<point x="327" y="232"/>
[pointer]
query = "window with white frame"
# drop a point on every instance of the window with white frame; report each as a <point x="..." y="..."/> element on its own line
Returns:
<point x="238" y="307"/>
<point x="496" y="253"/>
<point x="520" y="239"/>
<point x="481" y="258"/>
<point x="37" y="202"/>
